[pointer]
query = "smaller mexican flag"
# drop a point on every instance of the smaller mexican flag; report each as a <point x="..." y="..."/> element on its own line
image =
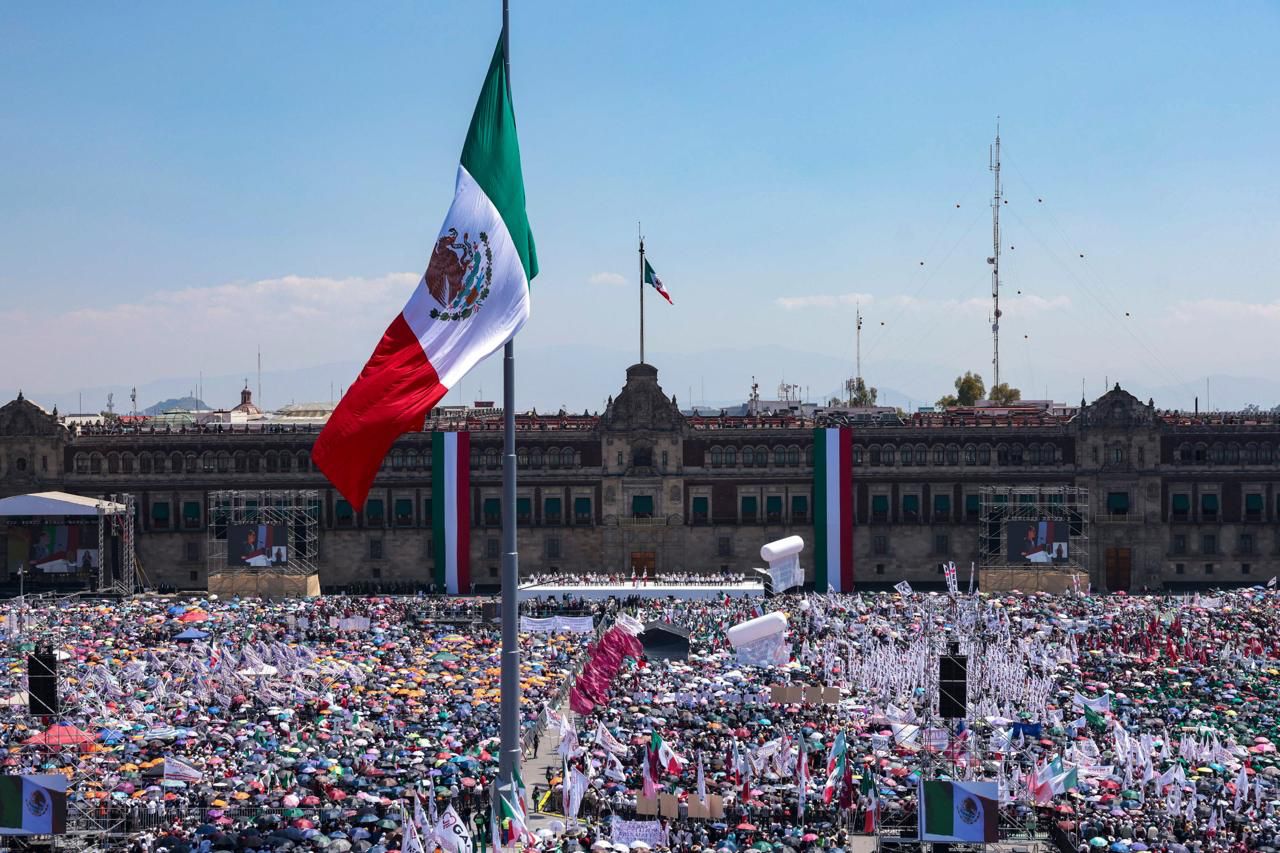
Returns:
<point x="662" y="756"/>
<point x="959" y="811"/>
<point x="836" y="761"/>
<point x="651" y="278"/>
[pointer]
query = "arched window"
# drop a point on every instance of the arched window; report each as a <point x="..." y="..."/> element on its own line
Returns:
<point x="1216" y="453"/>
<point x="113" y="463"/>
<point x="953" y="454"/>
<point x="208" y="462"/>
<point x="82" y="463"/>
<point x="762" y="456"/>
<point x="224" y="462"/>
<point x="522" y="458"/>
<point x="970" y="454"/>
<point x="145" y="462"/>
<point x="491" y="458"/>
<point x="304" y="461"/>
<point x="535" y="457"/>
<point x="273" y="462"/>
<point x="192" y="462"/>
<point x="984" y="454"/>
<point x="873" y="455"/>
<point x="779" y="456"/>
<point x="1200" y="453"/>
<point x="908" y="455"/>
<point x="240" y="462"/>
<point x="255" y="462"/>
<point x="939" y="454"/>
<point x="1015" y="455"/>
<point x="748" y="456"/>
<point x="859" y="453"/>
<point x="888" y="455"/>
<point x="1033" y="454"/>
<point x="176" y="463"/>
<point x="1250" y="454"/>
<point x="159" y="463"/>
<point x="1233" y="454"/>
<point x="476" y="457"/>
<point x="1264" y="453"/>
<point x="717" y="457"/>
<point x="1002" y="454"/>
<point x="577" y="459"/>
<point x="731" y="456"/>
<point x="1183" y="453"/>
<point x="397" y="459"/>
<point x="922" y="455"/>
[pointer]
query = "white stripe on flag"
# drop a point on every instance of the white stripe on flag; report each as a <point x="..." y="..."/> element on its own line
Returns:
<point x="450" y="497"/>
<point x="834" y="510"/>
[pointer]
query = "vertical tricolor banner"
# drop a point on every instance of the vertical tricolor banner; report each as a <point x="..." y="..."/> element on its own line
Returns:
<point x="833" y="509"/>
<point x="451" y="510"/>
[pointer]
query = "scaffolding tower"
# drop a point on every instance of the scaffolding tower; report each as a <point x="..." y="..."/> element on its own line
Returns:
<point x="1000" y="507"/>
<point x="294" y="511"/>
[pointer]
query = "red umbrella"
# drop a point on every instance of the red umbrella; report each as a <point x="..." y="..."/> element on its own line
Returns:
<point x="746" y="827"/>
<point x="62" y="735"/>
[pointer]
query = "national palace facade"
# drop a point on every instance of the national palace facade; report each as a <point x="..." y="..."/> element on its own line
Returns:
<point x="1175" y="500"/>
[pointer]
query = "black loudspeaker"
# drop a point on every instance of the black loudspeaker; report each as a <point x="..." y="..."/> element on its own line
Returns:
<point x="490" y="611"/>
<point x="953" y="686"/>
<point x="42" y="684"/>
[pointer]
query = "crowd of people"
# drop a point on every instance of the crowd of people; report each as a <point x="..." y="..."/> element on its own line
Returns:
<point x="1117" y="722"/>
<point x="635" y="578"/>
<point x="1124" y="723"/>
<point x="295" y="722"/>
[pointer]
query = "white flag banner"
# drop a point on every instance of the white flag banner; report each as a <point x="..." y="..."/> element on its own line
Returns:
<point x="903" y="588"/>
<point x="452" y="833"/>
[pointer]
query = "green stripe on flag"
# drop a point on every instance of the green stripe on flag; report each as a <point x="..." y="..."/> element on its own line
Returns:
<point x="438" y="501"/>
<point x="939" y="808"/>
<point x="820" y="510"/>
<point x="491" y="155"/>
<point x="11" y="802"/>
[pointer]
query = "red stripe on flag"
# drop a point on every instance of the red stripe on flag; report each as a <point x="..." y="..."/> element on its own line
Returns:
<point x="463" y="536"/>
<point x="846" y="509"/>
<point x="392" y="396"/>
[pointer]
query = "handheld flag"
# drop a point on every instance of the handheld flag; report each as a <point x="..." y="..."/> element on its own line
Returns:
<point x="472" y="299"/>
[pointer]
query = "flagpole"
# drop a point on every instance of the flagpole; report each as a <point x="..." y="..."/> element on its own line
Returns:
<point x="642" y="299"/>
<point x="509" y="684"/>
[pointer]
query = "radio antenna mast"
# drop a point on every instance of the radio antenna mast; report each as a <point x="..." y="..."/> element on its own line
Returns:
<point x="994" y="260"/>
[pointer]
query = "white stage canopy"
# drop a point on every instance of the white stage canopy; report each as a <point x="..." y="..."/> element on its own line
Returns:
<point x="57" y="503"/>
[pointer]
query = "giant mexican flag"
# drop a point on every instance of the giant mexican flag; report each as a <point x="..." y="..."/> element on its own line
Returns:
<point x="473" y="297"/>
<point x="959" y="811"/>
<point x="451" y="510"/>
<point x="833" y="509"/>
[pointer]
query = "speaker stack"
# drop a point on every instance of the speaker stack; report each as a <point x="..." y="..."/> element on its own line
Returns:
<point x="42" y="684"/>
<point x="953" y="685"/>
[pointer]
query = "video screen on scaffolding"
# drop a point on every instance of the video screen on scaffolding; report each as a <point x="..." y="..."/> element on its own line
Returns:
<point x="257" y="546"/>
<point x="1040" y="542"/>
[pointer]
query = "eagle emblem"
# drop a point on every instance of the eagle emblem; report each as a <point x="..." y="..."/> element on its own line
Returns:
<point x="37" y="803"/>
<point x="459" y="274"/>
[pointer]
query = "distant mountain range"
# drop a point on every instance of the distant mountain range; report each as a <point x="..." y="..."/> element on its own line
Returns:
<point x="181" y="403"/>
<point x="580" y="377"/>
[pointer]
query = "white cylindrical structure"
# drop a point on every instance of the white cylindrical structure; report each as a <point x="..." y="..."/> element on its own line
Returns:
<point x="781" y="548"/>
<point x="768" y="625"/>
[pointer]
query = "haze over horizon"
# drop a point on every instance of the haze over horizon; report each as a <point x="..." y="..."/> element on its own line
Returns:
<point x="280" y="184"/>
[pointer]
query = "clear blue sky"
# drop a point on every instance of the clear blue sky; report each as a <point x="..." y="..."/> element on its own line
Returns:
<point x="180" y="182"/>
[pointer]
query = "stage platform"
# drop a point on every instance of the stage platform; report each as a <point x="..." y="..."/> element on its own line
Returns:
<point x="622" y="590"/>
<point x="264" y="584"/>
<point x="1057" y="580"/>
